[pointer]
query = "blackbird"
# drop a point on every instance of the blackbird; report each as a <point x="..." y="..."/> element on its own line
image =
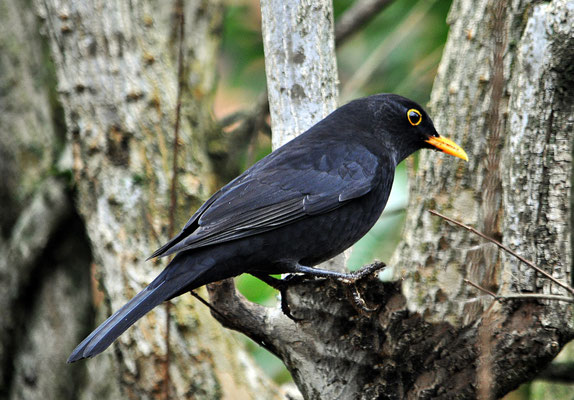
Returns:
<point x="301" y="205"/>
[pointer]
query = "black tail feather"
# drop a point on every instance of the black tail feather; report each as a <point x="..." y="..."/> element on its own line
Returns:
<point x="164" y="287"/>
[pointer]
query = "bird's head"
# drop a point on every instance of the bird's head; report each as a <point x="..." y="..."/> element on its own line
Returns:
<point x="404" y="127"/>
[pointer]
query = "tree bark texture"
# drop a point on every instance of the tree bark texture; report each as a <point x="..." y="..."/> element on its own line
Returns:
<point x="42" y="285"/>
<point x="507" y="100"/>
<point x="504" y="91"/>
<point x="116" y="66"/>
<point x="300" y="64"/>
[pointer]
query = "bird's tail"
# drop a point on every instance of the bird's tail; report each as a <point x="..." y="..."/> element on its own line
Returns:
<point x="164" y="287"/>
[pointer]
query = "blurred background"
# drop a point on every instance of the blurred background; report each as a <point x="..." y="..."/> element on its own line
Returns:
<point x="399" y="52"/>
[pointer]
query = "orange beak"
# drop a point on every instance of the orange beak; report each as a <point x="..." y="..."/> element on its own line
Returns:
<point x="447" y="146"/>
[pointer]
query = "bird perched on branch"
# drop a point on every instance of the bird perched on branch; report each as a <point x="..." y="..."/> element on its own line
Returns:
<point x="304" y="203"/>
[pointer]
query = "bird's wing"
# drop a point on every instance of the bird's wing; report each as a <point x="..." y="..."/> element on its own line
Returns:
<point x="282" y="188"/>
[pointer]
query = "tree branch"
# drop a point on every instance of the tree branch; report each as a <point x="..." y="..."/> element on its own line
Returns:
<point x="385" y="47"/>
<point x="253" y="121"/>
<point x="520" y="296"/>
<point x="235" y="312"/>
<point x="35" y="225"/>
<point x="356" y="17"/>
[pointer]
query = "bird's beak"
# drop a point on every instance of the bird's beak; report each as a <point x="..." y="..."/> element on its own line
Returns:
<point x="447" y="146"/>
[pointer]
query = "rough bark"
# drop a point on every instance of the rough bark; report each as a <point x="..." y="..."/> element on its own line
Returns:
<point x="117" y="73"/>
<point x="300" y="64"/>
<point x="35" y="207"/>
<point x="498" y="104"/>
<point x="504" y="91"/>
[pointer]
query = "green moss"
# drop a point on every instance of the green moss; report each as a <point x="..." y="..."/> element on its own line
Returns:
<point x="139" y="179"/>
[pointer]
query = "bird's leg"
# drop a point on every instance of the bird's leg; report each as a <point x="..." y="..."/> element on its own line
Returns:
<point x="344" y="277"/>
<point x="282" y="285"/>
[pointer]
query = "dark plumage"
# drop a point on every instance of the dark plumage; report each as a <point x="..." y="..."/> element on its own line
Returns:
<point x="302" y="204"/>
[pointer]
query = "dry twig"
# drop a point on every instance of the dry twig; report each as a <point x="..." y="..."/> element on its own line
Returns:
<point x="356" y="17"/>
<point x="506" y="249"/>
<point x="520" y="296"/>
<point x="173" y="188"/>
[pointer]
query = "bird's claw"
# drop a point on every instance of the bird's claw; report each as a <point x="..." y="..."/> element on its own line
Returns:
<point x="285" y="306"/>
<point x="285" y="282"/>
<point x="359" y="303"/>
<point x="351" y="282"/>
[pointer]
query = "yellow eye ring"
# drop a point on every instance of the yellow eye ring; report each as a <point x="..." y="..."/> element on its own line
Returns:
<point x="414" y="116"/>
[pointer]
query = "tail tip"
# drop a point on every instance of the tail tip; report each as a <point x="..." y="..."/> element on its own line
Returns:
<point x="75" y="356"/>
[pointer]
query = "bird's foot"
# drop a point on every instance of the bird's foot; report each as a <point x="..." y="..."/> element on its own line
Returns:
<point x="358" y="302"/>
<point x="344" y="277"/>
<point x="350" y="280"/>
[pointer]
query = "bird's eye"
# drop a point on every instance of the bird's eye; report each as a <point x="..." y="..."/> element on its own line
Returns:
<point x="414" y="116"/>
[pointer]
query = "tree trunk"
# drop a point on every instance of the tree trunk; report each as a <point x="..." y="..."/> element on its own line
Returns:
<point x="300" y="65"/>
<point x="44" y="284"/>
<point x="505" y="92"/>
<point x="301" y="70"/>
<point x="116" y="68"/>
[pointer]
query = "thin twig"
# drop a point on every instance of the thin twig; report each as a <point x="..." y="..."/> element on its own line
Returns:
<point x="527" y="296"/>
<point x="356" y="17"/>
<point x="173" y="195"/>
<point x="520" y="296"/>
<point x="173" y="199"/>
<point x="476" y="285"/>
<point x="207" y="304"/>
<point x="506" y="249"/>
<point x="409" y="25"/>
<point x="233" y="118"/>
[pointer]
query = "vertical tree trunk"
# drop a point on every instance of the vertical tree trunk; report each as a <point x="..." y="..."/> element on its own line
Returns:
<point x="300" y="65"/>
<point x="43" y="289"/>
<point x="508" y="101"/>
<point x="301" y="70"/>
<point x="504" y="90"/>
<point x="117" y="71"/>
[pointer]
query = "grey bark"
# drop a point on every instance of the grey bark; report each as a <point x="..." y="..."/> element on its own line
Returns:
<point x="116" y="77"/>
<point x="508" y="100"/>
<point x="35" y="206"/>
<point x="300" y="64"/>
<point x="301" y="70"/>
<point x="517" y="187"/>
<point x="505" y="188"/>
<point x="504" y="91"/>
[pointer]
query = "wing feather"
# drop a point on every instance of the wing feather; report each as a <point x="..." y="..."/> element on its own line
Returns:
<point x="284" y="187"/>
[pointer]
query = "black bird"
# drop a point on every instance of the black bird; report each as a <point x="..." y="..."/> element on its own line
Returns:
<point x="302" y="204"/>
